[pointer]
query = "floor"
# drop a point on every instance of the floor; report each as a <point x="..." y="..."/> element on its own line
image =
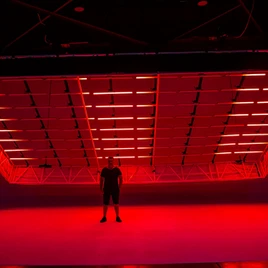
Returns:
<point x="149" y="234"/>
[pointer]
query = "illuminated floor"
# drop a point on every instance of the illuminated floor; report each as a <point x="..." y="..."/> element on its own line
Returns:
<point x="148" y="235"/>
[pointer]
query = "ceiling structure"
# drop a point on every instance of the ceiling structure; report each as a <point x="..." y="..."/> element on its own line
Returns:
<point x="143" y="121"/>
<point x="150" y="85"/>
<point x="79" y="26"/>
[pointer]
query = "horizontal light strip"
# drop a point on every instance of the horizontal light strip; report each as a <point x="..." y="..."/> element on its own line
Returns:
<point x="144" y="156"/>
<point x="226" y="144"/>
<point x="23" y="158"/>
<point x="262" y="102"/>
<point x="236" y="102"/>
<point x="121" y="157"/>
<point x="143" y="139"/>
<point x="114" y="106"/>
<point x="117" y="139"/>
<point x="17" y="150"/>
<point x="10" y="130"/>
<point x="255" y="134"/>
<point x="260" y="114"/>
<point x="82" y="78"/>
<point x="145" y="77"/>
<point x="145" y="118"/>
<point x="265" y="89"/>
<point x="223" y="153"/>
<point x="261" y="74"/>
<point x="115" y="149"/>
<point x="238" y="114"/>
<point x="145" y="105"/>
<point x="144" y="148"/>
<point x="145" y="92"/>
<point x="241" y="89"/>
<point x="230" y="135"/>
<point x="12" y="140"/>
<point x="113" y="93"/>
<point x="144" y="128"/>
<point x="257" y="125"/>
<point x="252" y="143"/>
<point x="115" y="118"/>
<point x="115" y="129"/>
<point x="248" y="152"/>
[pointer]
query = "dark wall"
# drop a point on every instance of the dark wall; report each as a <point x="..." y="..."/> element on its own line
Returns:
<point x="248" y="191"/>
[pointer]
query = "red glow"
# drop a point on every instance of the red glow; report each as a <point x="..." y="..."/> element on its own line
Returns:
<point x="202" y="3"/>
<point x="229" y="226"/>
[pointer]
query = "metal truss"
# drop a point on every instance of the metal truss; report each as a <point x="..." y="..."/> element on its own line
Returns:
<point x="7" y="168"/>
<point x="263" y="164"/>
<point x="135" y="175"/>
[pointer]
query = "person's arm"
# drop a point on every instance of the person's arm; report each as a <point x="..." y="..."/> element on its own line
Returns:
<point x="101" y="183"/>
<point x="120" y="180"/>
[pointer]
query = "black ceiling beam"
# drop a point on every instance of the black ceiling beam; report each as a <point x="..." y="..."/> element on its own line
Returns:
<point x="36" y="25"/>
<point x="251" y="17"/>
<point x="228" y="118"/>
<point x="207" y="22"/>
<point x="129" y="64"/>
<point x="198" y="88"/>
<point x="76" y="126"/>
<point x="29" y="92"/>
<point x="80" y="23"/>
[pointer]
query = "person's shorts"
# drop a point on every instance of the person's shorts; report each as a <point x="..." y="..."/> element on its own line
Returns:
<point x="108" y="194"/>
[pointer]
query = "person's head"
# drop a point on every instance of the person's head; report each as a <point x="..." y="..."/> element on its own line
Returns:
<point x="110" y="161"/>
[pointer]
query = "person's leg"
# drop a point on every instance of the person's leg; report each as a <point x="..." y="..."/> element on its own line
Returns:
<point x="106" y="199"/>
<point x="115" y="196"/>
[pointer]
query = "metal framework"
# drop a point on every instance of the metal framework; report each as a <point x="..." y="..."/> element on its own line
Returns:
<point x="163" y="127"/>
<point x="138" y="174"/>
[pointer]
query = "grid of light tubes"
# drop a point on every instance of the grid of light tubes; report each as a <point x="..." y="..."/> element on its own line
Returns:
<point x="144" y="118"/>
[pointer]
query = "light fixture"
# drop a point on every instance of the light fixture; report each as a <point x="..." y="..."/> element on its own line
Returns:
<point x="79" y="9"/>
<point x="248" y="152"/>
<point x="113" y="93"/>
<point x="202" y="3"/>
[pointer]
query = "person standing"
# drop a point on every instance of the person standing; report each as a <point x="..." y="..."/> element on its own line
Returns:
<point x="110" y="183"/>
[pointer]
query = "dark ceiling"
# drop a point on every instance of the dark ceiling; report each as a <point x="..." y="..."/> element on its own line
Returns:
<point x="129" y="26"/>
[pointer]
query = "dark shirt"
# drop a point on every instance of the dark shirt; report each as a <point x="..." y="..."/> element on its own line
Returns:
<point x="111" y="178"/>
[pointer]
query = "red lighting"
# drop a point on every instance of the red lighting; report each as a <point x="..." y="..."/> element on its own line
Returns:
<point x="202" y="3"/>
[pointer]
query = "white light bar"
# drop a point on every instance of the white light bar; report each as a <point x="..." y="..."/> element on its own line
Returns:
<point x="115" y="149"/>
<point x="114" y="106"/>
<point x="113" y="93"/>
<point x="252" y="143"/>
<point x="257" y="125"/>
<point x="260" y="114"/>
<point x="260" y="74"/>
<point x="248" y="152"/>
<point x="115" y="118"/>
<point x="254" y="134"/>
<point x="117" y="139"/>
<point x="116" y="129"/>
